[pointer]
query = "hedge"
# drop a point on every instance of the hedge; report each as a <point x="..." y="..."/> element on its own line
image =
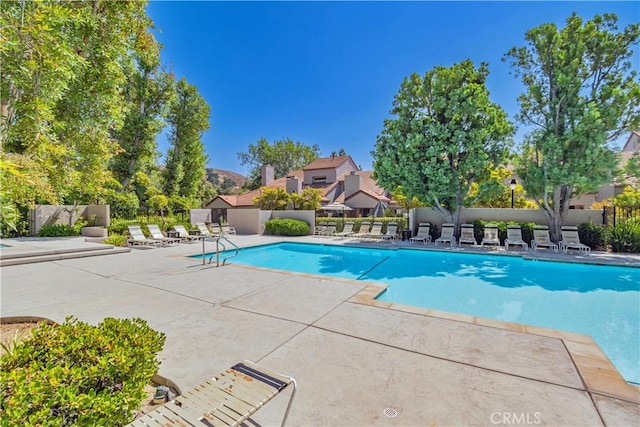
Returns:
<point x="286" y="227"/>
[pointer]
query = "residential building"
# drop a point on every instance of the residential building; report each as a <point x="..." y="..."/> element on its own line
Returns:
<point x="338" y="177"/>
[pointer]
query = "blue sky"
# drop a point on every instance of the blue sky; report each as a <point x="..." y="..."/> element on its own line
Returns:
<point x="326" y="72"/>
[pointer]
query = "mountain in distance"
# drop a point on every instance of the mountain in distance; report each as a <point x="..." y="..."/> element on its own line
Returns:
<point x="226" y="182"/>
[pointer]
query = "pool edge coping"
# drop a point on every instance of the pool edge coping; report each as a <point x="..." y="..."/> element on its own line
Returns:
<point x="596" y="371"/>
<point x="597" y="374"/>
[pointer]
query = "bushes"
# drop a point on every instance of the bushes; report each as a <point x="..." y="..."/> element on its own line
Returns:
<point x="61" y="230"/>
<point x="116" y="240"/>
<point x="592" y="235"/>
<point x="625" y="236"/>
<point x="78" y="374"/>
<point x="286" y="227"/>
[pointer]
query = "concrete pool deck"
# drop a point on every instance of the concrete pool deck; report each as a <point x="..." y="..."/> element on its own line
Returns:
<point x="353" y="357"/>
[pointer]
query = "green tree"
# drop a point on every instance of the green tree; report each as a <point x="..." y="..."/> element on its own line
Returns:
<point x="446" y="135"/>
<point x="631" y="171"/>
<point x="580" y="94"/>
<point x="494" y="192"/>
<point x="284" y="155"/>
<point x="186" y="159"/>
<point x="629" y="198"/>
<point x="308" y="199"/>
<point x="148" y="94"/>
<point x="63" y="71"/>
<point x="275" y="199"/>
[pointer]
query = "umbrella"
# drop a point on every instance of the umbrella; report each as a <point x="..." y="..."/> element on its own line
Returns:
<point x="378" y="210"/>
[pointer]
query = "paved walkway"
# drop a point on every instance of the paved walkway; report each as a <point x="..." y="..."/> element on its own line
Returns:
<point x="352" y="357"/>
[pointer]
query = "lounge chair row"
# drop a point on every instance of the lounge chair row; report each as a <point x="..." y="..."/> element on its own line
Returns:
<point x="367" y="231"/>
<point x="157" y="238"/>
<point x="541" y="239"/>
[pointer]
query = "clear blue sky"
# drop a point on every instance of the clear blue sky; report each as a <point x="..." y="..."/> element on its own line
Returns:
<point x="326" y="72"/>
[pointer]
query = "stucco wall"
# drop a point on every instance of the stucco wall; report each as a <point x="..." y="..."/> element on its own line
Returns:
<point x="245" y="221"/>
<point x="362" y="200"/>
<point x="329" y="173"/>
<point x="59" y="214"/>
<point x="575" y="217"/>
<point x="200" y="215"/>
<point x="218" y="204"/>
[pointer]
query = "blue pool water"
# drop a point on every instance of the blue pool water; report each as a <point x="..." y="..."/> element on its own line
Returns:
<point x="600" y="301"/>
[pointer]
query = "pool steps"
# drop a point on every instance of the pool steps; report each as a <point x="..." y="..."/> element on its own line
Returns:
<point x="29" y="257"/>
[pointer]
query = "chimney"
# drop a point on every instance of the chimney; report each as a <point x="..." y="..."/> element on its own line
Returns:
<point x="352" y="184"/>
<point x="294" y="185"/>
<point x="267" y="174"/>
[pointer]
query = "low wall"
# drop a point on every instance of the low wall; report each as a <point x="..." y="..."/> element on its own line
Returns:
<point x="574" y="216"/>
<point x="200" y="215"/>
<point x="43" y="215"/>
<point x="245" y="221"/>
<point x="252" y="221"/>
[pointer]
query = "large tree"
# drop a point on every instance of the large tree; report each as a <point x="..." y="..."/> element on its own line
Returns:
<point x="148" y="93"/>
<point x="63" y="72"/>
<point x="581" y="94"/>
<point x="445" y="136"/>
<point x="189" y="115"/>
<point x="284" y="155"/>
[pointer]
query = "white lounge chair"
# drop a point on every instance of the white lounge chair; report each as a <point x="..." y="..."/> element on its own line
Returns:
<point x="541" y="239"/>
<point x="374" y="233"/>
<point x="391" y="233"/>
<point x="571" y="240"/>
<point x="467" y="235"/>
<point x="365" y="226"/>
<point x="424" y="228"/>
<point x="226" y="229"/>
<point x="204" y="231"/>
<point x="156" y="234"/>
<point x="228" y="399"/>
<point x="321" y="228"/>
<point x="446" y="235"/>
<point x="184" y="234"/>
<point x="346" y="231"/>
<point x="490" y="236"/>
<point x="331" y="229"/>
<point x="139" y="239"/>
<point x="514" y="238"/>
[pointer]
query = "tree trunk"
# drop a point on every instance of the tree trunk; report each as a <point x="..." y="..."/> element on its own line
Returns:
<point x="557" y="213"/>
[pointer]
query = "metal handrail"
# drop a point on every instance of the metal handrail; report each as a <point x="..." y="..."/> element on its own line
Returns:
<point x="217" y="254"/>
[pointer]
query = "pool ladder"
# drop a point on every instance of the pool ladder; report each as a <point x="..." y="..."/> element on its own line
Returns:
<point x="219" y="243"/>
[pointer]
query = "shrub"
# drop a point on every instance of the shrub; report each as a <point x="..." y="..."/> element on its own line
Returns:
<point x="592" y="235"/>
<point x="287" y="227"/>
<point x="116" y="240"/>
<point x="78" y="374"/>
<point x="61" y="230"/>
<point x="625" y="236"/>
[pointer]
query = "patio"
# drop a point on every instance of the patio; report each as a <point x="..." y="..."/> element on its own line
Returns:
<point x="353" y="357"/>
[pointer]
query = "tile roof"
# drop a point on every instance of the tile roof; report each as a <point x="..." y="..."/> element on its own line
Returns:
<point x="327" y="162"/>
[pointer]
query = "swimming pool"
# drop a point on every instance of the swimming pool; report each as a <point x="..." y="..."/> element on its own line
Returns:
<point x="601" y="301"/>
